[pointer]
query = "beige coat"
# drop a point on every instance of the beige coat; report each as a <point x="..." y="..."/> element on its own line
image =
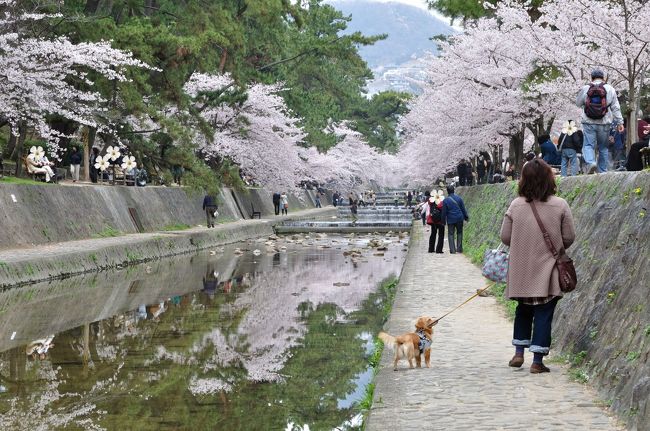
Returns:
<point x="532" y="272"/>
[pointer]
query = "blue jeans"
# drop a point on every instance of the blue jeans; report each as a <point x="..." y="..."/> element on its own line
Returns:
<point x="596" y="135"/>
<point x="539" y="316"/>
<point x="569" y="159"/>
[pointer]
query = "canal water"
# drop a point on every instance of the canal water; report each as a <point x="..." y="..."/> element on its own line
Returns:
<point x="273" y="334"/>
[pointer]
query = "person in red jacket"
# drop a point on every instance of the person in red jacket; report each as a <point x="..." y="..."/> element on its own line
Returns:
<point x="434" y="219"/>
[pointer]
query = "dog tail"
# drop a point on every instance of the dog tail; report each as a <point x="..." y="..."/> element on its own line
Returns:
<point x="388" y="340"/>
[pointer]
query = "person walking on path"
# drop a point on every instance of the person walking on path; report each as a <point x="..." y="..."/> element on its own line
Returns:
<point x="210" y="208"/>
<point x="318" y="200"/>
<point x="454" y="215"/>
<point x="532" y="276"/>
<point x="75" y="163"/>
<point x="284" y="203"/>
<point x="434" y="219"/>
<point x="570" y="146"/>
<point x="354" y="210"/>
<point x="276" y="203"/>
<point x="601" y="110"/>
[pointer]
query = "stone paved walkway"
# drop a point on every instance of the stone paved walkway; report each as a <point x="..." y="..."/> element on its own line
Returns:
<point x="469" y="386"/>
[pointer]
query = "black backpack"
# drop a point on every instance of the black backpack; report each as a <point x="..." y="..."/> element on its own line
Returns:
<point x="436" y="214"/>
<point x="596" y="103"/>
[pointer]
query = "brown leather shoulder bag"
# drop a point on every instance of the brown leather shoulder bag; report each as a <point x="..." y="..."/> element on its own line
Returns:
<point x="563" y="263"/>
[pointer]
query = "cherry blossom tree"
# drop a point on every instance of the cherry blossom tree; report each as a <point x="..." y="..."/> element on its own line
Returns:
<point x="42" y="77"/>
<point x="613" y="35"/>
<point x="264" y="139"/>
<point x="351" y="164"/>
<point x="512" y="77"/>
<point x="259" y="133"/>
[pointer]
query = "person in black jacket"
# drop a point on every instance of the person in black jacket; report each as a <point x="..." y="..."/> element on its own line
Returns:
<point x="276" y="203"/>
<point x="75" y="163"/>
<point x="570" y="146"/>
<point x="93" y="170"/>
<point x="464" y="171"/>
<point x="210" y="207"/>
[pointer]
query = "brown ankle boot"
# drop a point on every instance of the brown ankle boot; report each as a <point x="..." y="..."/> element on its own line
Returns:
<point x="516" y="361"/>
<point x="539" y="368"/>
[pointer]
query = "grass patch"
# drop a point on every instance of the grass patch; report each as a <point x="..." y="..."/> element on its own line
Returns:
<point x="176" y="226"/>
<point x="108" y="232"/>
<point x="16" y="180"/>
<point x="387" y="288"/>
<point x="366" y="402"/>
<point x="577" y="366"/>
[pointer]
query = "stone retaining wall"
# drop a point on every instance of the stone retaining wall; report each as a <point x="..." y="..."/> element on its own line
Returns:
<point x="43" y="214"/>
<point x="604" y="326"/>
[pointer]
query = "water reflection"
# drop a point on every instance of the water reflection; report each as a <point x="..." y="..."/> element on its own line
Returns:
<point x="255" y="336"/>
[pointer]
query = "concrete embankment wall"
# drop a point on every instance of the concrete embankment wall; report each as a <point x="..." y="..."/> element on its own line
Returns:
<point x="44" y="214"/>
<point x="604" y="326"/>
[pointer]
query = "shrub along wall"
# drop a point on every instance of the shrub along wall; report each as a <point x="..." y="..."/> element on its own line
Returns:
<point x="604" y="326"/>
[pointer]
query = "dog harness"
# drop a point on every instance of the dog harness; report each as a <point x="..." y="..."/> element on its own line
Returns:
<point x="424" y="342"/>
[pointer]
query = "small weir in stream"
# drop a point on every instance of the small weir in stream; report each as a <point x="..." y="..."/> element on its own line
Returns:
<point x="384" y="216"/>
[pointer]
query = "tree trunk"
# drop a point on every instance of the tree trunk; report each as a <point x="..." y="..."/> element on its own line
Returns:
<point x="17" y="154"/>
<point x="222" y="62"/>
<point x="11" y="145"/>
<point x="88" y="140"/>
<point x="634" y="98"/>
<point x="516" y="150"/>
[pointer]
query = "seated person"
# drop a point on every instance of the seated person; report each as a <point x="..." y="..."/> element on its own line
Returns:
<point x="549" y="151"/>
<point x="498" y="177"/>
<point x="34" y="167"/>
<point x="634" y="157"/>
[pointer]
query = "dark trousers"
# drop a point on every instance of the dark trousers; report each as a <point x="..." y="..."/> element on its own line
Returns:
<point x="456" y="237"/>
<point x="276" y="206"/>
<point x="209" y="215"/>
<point x="424" y="219"/>
<point x="439" y="230"/>
<point x="535" y="320"/>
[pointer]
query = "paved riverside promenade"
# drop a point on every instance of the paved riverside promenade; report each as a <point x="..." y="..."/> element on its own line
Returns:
<point x="469" y="385"/>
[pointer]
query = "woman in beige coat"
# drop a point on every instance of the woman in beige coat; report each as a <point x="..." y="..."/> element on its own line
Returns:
<point x="532" y="277"/>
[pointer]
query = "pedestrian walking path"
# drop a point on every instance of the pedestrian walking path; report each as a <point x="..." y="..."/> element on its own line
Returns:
<point x="469" y="385"/>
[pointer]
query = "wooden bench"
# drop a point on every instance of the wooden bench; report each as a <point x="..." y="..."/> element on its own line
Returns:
<point x="36" y="176"/>
<point x="255" y="213"/>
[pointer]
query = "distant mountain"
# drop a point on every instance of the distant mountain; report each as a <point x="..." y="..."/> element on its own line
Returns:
<point x="409" y="30"/>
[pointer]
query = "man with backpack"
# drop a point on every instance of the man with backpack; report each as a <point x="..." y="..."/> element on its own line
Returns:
<point x="601" y="111"/>
<point x="453" y="215"/>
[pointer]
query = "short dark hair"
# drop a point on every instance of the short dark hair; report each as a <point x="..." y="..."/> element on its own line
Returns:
<point x="450" y="189"/>
<point x="543" y="138"/>
<point x="537" y="181"/>
<point x="597" y="73"/>
<point x="530" y="156"/>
